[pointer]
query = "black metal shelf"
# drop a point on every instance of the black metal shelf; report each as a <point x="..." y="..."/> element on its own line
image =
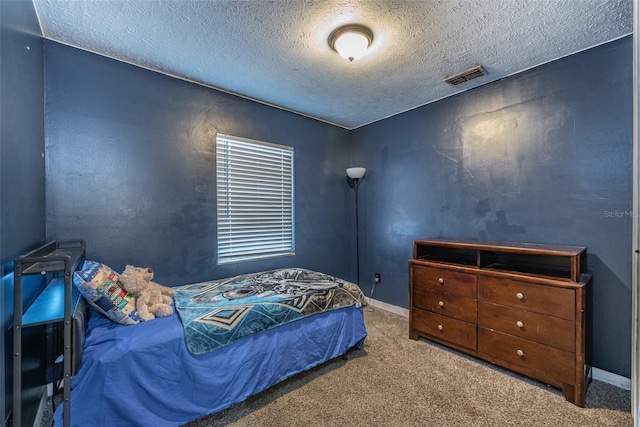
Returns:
<point x="57" y="302"/>
<point x="51" y="257"/>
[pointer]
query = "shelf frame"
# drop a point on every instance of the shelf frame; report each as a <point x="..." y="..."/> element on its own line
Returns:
<point x="64" y="257"/>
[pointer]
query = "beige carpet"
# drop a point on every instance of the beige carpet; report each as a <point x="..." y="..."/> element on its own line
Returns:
<point x="395" y="381"/>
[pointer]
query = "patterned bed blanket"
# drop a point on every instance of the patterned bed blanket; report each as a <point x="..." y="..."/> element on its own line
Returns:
<point x="220" y="312"/>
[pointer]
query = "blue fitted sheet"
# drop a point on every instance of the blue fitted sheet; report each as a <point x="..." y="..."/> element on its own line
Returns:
<point x="143" y="375"/>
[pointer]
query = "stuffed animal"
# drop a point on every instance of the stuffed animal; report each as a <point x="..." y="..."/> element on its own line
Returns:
<point x="152" y="299"/>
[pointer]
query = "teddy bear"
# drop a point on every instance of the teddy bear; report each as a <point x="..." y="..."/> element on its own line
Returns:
<point x="152" y="299"/>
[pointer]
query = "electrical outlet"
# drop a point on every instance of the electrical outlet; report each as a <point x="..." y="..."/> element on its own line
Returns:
<point x="376" y="277"/>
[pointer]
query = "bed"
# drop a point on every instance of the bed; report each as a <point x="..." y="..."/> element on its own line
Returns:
<point x="151" y="374"/>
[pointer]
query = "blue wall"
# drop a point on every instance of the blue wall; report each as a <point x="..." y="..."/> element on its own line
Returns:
<point x="131" y="169"/>
<point x="544" y="156"/>
<point x="22" y="211"/>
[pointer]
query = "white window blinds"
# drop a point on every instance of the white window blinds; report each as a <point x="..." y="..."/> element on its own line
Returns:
<point x="255" y="199"/>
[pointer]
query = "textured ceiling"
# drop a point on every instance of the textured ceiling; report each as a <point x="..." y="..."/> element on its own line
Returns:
<point x="276" y="52"/>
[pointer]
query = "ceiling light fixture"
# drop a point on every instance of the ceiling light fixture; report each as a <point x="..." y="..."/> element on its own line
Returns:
<point x="351" y="41"/>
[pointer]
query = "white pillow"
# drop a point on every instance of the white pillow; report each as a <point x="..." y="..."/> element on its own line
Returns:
<point x="101" y="286"/>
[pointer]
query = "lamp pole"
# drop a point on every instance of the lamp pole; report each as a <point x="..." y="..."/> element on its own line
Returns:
<point x="357" y="236"/>
<point x="355" y="174"/>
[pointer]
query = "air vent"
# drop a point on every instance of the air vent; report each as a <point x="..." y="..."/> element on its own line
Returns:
<point x="465" y="76"/>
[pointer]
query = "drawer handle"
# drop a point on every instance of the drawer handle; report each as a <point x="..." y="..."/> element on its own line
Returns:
<point x="520" y="353"/>
<point x="440" y="327"/>
<point x="519" y="295"/>
<point x="441" y="280"/>
<point x="519" y="324"/>
<point x="441" y="304"/>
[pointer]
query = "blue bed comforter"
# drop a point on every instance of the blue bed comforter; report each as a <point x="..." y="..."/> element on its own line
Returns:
<point x="143" y="375"/>
<point x="221" y="312"/>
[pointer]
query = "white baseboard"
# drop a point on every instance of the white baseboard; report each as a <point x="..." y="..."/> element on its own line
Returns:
<point x="598" y="374"/>
<point x="389" y="307"/>
<point x="37" y="422"/>
<point x="611" y="378"/>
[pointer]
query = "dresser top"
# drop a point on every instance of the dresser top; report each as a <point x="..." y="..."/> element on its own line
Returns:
<point x="530" y="248"/>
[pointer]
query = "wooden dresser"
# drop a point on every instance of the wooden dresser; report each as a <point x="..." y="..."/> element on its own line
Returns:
<point x="521" y="306"/>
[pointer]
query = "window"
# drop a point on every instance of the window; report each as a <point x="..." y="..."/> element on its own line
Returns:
<point x="255" y="199"/>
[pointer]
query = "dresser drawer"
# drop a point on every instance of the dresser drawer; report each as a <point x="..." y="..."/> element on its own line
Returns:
<point x="446" y="328"/>
<point x="554" y="363"/>
<point x="550" y="300"/>
<point x="444" y="280"/>
<point x="451" y="305"/>
<point x="548" y="330"/>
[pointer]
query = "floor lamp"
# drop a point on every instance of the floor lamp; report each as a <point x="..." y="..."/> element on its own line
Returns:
<point x="355" y="174"/>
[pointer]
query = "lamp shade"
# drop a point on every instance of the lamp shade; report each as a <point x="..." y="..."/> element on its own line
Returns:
<point x="351" y="45"/>
<point x="356" y="173"/>
<point x="351" y="41"/>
